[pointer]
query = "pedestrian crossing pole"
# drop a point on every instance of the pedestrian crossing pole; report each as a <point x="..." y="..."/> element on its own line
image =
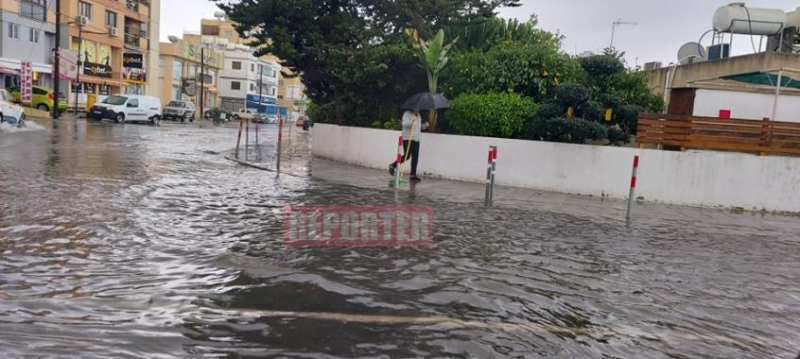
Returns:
<point x="400" y="151"/>
<point x="493" y="151"/>
<point x="632" y="192"/>
<point x="487" y="199"/>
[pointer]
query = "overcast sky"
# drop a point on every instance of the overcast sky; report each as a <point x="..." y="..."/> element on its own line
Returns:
<point x="664" y="25"/>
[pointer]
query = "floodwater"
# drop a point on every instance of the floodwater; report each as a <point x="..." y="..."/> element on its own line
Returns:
<point x="139" y="241"/>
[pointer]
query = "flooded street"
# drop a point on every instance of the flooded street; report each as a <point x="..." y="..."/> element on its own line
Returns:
<point x="139" y="241"/>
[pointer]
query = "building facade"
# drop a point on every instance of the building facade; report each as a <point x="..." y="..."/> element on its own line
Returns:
<point x="290" y="92"/>
<point x="111" y="40"/>
<point x="27" y="33"/>
<point x="248" y="82"/>
<point x="179" y="73"/>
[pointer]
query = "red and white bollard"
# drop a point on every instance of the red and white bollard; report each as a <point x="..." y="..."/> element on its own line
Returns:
<point x="400" y="152"/>
<point x="491" y="167"/>
<point x="239" y="139"/>
<point x="631" y="195"/>
<point x="246" y="139"/>
<point x="280" y="140"/>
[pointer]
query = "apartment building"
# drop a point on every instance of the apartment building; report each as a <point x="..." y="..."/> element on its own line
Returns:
<point x="27" y="33"/>
<point x="248" y="82"/>
<point x="111" y="39"/>
<point x="179" y="73"/>
<point x="290" y="92"/>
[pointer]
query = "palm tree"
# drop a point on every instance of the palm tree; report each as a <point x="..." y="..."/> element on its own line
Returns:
<point x="433" y="58"/>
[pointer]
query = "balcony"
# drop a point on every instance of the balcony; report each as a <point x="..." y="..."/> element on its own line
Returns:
<point x="134" y="33"/>
<point x="132" y="5"/>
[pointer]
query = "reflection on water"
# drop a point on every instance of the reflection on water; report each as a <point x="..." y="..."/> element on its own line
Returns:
<point x="126" y="240"/>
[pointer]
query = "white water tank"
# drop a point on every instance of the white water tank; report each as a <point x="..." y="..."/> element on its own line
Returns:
<point x="793" y="18"/>
<point x="738" y="19"/>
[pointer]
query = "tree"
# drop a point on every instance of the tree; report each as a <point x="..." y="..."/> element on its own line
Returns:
<point x="433" y="58"/>
<point x="321" y="40"/>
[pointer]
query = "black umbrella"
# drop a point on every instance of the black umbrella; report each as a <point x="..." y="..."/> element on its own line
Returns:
<point x="426" y="101"/>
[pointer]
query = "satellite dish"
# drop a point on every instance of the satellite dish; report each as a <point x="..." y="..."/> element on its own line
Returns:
<point x="173" y="39"/>
<point x="690" y="53"/>
<point x="219" y="15"/>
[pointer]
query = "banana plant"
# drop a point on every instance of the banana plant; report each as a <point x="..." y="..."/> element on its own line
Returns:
<point x="433" y="59"/>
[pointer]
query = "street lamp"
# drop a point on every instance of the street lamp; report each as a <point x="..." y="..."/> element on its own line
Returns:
<point x="614" y="26"/>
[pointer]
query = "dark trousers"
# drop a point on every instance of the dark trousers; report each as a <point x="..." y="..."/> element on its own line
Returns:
<point x="413" y="154"/>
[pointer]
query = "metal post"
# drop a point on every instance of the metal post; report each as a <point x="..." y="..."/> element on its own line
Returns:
<point x="256" y="148"/>
<point x="486" y="201"/>
<point x="400" y="151"/>
<point x="239" y="139"/>
<point x="494" y="170"/>
<point x="246" y="139"/>
<point x="203" y="80"/>
<point x="280" y="139"/>
<point x="260" y="83"/>
<point x="78" y="76"/>
<point x="57" y="61"/>
<point x="777" y="95"/>
<point x="632" y="192"/>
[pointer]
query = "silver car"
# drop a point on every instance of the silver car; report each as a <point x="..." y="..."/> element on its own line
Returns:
<point x="180" y="110"/>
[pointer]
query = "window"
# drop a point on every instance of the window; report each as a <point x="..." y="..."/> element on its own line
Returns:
<point x="33" y="35"/>
<point x="252" y="67"/>
<point x="229" y="33"/>
<point x="33" y="9"/>
<point x="161" y="68"/>
<point x="133" y="103"/>
<point x="85" y="9"/>
<point x="13" y="31"/>
<point x="273" y="91"/>
<point x="177" y="71"/>
<point x="236" y="85"/>
<point x="274" y="73"/>
<point x="236" y="65"/>
<point x="210" y="30"/>
<point x="111" y="19"/>
<point x="176" y="92"/>
<point x="252" y="87"/>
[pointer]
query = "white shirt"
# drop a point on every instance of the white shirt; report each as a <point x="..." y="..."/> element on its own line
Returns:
<point x="411" y="120"/>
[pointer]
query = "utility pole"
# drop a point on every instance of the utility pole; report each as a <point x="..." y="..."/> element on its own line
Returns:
<point x="260" y="83"/>
<point x="614" y="26"/>
<point x="80" y="66"/>
<point x="57" y="60"/>
<point x="202" y="79"/>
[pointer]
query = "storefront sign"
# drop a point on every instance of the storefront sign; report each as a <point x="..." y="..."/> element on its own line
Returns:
<point x="133" y="61"/>
<point x="26" y="81"/>
<point x="194" y="52"/>
<point x="68" y="65"/>
<point x="190" y="87"/>
<point x="134" y="76"/>
<point x="99" y="70"/>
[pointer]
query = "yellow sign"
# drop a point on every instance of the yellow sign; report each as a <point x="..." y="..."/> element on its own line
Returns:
<point x="570" y="112"/>
<point x="609" y="113"/>
<point x="193" y="51"/>
<point x="105" y="55"/>
<point x="88" y="50"/>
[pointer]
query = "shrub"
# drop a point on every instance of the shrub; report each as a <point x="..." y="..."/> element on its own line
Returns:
<point x="490" y="115"/>
<point x="320" y="114"/>
<point x="593" y="111"/>
<point x="617" y="136"/>
<point x="570" y="130"/>
<point x="549" y="109"/>
<point x="572" y="94"/>
<point x="628" y="117"/>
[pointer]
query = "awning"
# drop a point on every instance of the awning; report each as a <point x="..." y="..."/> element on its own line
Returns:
<point x="764" y="79"/>
<point x="7" y="71"/>
<point x="100" y="81"/>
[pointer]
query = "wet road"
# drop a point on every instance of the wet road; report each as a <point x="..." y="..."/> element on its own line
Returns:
<point x="136" y="241"/>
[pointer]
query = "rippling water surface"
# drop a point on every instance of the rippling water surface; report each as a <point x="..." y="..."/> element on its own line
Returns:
<point x="137" y="241"/>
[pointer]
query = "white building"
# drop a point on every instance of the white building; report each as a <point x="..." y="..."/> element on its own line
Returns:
<point x="247" y="81"/>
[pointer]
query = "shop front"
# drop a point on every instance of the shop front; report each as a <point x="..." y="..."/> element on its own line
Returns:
<point x="95" y="62"/>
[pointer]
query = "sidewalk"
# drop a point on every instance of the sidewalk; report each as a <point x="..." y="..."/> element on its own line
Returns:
<point x="613" y="210"/>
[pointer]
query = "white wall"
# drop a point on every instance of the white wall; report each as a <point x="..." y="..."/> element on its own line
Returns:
<point x="746" y="105"/>
<point x="690" y="178"/>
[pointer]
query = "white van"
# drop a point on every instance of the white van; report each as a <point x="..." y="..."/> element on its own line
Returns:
<point x="128" y="108"/>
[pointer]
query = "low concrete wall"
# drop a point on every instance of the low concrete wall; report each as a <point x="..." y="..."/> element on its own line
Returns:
<point x="688" y="178"/>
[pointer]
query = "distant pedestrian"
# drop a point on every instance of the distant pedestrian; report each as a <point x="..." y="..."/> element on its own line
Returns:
<point x="413" y="125"/>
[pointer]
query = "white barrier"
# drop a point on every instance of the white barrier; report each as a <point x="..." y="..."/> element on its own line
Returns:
<point x="696" y="178"/>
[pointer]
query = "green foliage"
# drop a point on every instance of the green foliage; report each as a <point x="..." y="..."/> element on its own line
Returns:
<point x="320" y="113"/>
<point x="530" y="69"/>
<point x="570" y="130"/>
<point x="491" y="115"/>
<point x="572" y="95"/>
<point x="483" y="34"/>
<point x="327" y="41"/>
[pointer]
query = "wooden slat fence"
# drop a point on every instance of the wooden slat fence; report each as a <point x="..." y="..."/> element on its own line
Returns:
<point x="711" y="133"/>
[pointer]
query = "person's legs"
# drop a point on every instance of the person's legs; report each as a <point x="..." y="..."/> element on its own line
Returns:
<point x="414" y="158"/>
<point x="407" y="153"/>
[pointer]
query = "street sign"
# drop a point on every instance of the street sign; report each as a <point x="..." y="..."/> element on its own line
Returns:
<point x="26" y="81"/>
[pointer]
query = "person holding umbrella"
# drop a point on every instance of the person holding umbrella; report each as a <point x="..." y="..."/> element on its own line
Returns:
<point x="412" y="133"/>
<point x="413" y="125"/>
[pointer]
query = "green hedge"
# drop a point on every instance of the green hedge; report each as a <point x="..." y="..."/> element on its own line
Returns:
<point x="570" y="130"/>
<point x="490" y="115"/>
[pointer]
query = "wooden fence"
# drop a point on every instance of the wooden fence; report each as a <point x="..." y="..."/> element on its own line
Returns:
<point x="711" y="133"/>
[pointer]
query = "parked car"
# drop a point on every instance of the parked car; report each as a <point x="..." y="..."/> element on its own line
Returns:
<point x="273" y="119"/>
<point x="42" y="98"/>
<point x="245" y="114"/>
<point x="128" y="108"/>
<point x="9" y="111"/>
<point x="180" y="110"/>
<point x="212" y="113"/>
